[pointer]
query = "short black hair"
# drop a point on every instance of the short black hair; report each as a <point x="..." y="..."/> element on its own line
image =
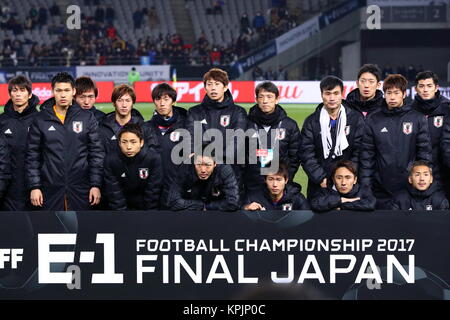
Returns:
<point x="427" y="75"/>
<point x="163" y="89"/>
<point x="132" y="128"/>
<point x="20" y="82"/>
<point x="85" y="84"/>
<point x="420" y="163"/>
<point x="63" y="77"/>
<point x="331" y="82"/>
<point x="211" y="154"/>
<point x="395" y="81"/>
<point x="370" y="68"/>
<point x="267" y="86"/>
<point x="349" y="165"/>
<point x="282" y="170"/>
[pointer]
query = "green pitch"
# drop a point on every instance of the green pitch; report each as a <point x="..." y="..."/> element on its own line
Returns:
<point x="296" y="111"/>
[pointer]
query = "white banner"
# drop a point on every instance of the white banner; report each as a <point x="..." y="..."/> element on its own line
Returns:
<point x="119" y="74"/>
<point x="407" y="3"/>
<point x="305" y="91"/>
<point x="297" y="35"/>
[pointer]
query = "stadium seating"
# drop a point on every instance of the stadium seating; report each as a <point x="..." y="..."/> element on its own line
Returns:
<point x="224" y="28"/>
<point x="123" y="20"/>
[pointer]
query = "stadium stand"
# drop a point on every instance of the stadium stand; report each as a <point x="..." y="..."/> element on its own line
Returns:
<point x="116" y="32"/>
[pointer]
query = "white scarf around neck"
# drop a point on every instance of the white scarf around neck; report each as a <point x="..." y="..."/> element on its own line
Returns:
<point x="325" y="129"/>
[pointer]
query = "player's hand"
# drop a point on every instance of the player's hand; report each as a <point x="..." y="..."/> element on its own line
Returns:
<point x="323" y="184"/>
<point x="254" y="206"/>
<point x="36" y="198"/>
<point x="344" y="200"/>
<point x="94" y="196"/>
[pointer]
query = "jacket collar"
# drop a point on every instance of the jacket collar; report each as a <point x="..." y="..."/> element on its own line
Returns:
<point x="211" y="104"/>
<point x="31" y="108"/>
<point x="435" y="106"/>
<point x="396" y="111"/>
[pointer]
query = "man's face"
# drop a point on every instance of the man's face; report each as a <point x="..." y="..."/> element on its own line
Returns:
<point x="63" y="93"/>
<point x="421" y="178"/>
<point x="86" y="100"/>
<point x="275" y="184"/>
<point x="267" y="101"/>
<point x="332" y="99"/>
<point x="204" y="167"/>
<point x="344" y="180"/>
<point x="367" y="85"/>
<point x="19" y="96"/>
<point x="130" y="144"/>
<point x="427" y="89"/>
<point x="124" y="105"/>
<point x="394" y="97"/>
<point x="164" y="106"/>
<point x="215" y="90"/>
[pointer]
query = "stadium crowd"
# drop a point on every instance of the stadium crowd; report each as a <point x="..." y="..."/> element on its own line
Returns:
<point x="99" y="41"/>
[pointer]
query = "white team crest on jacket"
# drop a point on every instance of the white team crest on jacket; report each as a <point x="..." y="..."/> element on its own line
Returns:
<point x="143" y="173"/>
<point x="407" y="127"/>
<point x="225" y="120"/>
<point x="77" y="126"/>
<point x="438" y="121"/>
<point x="286" y="207"/>
<point x="175" y="136"/>
<point x="347" y="130"/>
<point x="429" y="207"/>
<point x="280" y="133"/>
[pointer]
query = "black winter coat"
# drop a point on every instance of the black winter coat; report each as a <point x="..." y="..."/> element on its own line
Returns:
<point x="287" y="134"/>
<point x="445" y="144"/>
<point x="292" y="199"/>
<point x="329" y="199"/>
<point x="109" y="129"/>
<point x="393" y="140"/>
<point x="311" y="152"/>
<point x="436" y="110"/>
<point x="216" y="115"/>
<point x="220" y="192"/>
<point x="368" y="107"/>
<point x="412" y="199"/>
<point x="99" y="115"/>
<point x="64" y="160"/>
<point x="5" y="165"/>
<point x="166" y="142"/>
<point x="133" y="183"/>
<point x="15" y="127"/>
